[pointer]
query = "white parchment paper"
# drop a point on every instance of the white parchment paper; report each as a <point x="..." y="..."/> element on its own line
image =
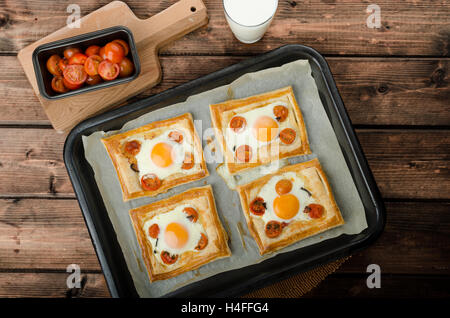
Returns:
<point x="324" y="145"/>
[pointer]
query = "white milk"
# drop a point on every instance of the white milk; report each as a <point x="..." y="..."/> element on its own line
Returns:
<point x="249" y="19"/>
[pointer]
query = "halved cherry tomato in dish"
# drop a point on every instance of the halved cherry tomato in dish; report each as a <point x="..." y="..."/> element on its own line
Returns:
<point x="69" y="85"/>
<point x="126" y="67"/>
<point x="52" y="65"/>
<point x="92" y="50"/>
<point x="58" y="85"/>
<point x="315" y="211"/>
<point x="273" y="229"/>
<point x="133" y="147"/>
<point x="101" y="52"/>
<point x="176" y="136"/>
<point x="153" y="230"/>
<point x="108" y="71"/>
<point x="244" y="153"/>
<point x="150" y="182"/>
<point x="114" y="52"/>
<point x="287" y="136"/>
<point x="62" y="64"/>
<point x="91" y="65"/>
<point x="280" y="112"/>
<point x="202" y="242"/>
<point x="92" y="80"/>
<point x="167" y="258"/>
<point x="124" y="44"/>
<point x="191" y="213"/>
<point x="71" y="51"/>
<point x="78" y="58"/>
<point x="238" y="123"/>
<point x="188" y="162"/>
<point x="283" y="186"/>
<point x="75" y="74"/>
<point x="258" y="206"/>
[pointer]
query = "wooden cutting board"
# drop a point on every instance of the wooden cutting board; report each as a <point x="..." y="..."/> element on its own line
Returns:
<point x="149" y="35"/>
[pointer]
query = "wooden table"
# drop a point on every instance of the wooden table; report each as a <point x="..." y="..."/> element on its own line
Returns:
<point x="394" y="82"/>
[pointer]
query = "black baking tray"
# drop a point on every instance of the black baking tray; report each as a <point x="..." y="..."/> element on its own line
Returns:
<point x="243" y="280"/>
<point x="42" y="53"/>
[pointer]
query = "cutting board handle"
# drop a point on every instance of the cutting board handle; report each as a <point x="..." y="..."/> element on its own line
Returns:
<point x="174" y="22"/>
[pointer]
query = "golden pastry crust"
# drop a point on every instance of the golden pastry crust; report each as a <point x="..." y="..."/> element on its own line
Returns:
<point x="222" y="113"/>
<point x="315" y="180"/>
<point x="129" y="179"/>
<point x="202" y="200"/>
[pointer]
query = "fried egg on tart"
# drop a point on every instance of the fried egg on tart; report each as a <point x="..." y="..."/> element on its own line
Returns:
<point x="180" y="233"/>
<point x="156" y="157"/>
<point x="289" y="205"/>
<point x="259" y="129"/>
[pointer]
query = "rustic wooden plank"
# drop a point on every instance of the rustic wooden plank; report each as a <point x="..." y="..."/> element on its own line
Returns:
<point x="51" y="285"/>
<point x="37" y="234"/>
<point x="406" y="163"/>
<point x="413" y="27"/>
<point x="376" y="91"/>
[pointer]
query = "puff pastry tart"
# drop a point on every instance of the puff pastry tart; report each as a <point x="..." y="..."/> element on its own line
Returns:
<point x="292" y="204"/>
<point x="259" y="129"/>
<point x="180" y="234"/>
<point x="156" y="157"/>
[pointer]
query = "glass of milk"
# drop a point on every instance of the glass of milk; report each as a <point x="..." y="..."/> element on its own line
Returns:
<point x="249" y="19"/>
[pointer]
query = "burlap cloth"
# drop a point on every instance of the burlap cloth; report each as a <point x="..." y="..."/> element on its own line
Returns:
<point x="297" y="285"/>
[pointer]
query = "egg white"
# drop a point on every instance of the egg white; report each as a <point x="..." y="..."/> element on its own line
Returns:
<point x="177" y="215"/>
<point x="268" y="194"/>
<point x="246" y="137"/>
<point x="146" y="165"/>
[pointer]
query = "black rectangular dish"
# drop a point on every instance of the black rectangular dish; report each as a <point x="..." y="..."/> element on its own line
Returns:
<point x="236" y="282"/>
<point x="42" y="53"/>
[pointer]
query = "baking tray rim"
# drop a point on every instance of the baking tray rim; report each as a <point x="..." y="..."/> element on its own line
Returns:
<point x="330" y="255"/>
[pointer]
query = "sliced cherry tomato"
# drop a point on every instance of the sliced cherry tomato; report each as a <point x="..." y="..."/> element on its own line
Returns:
<point x="75" y="74"/>
<point x="283" y="186"/>
<point x="126" y="67"/>
<point x="202" y="242"/>
<point x="91" y="65"/>
<point x="150" y="182"/>
<point x="62" y="64"/>
<point x="188" y="162"/>
<point x="238" y="123"/>
<point x="78" y="58"/>
<point x="58" y="84"/>
<point x="258" y="206"/>
<point x="133" y="147"/>
<point x="273" y="229"/>
<point x="287" y="136"/>
<point x="192" y="214"/>
<point x="52" y="65"/>
<point x="114" y="52"/>
<point x="280" y="112"/>
<point x="167" y="258"/>
<point x="153" y="230"/>
<point x="315" y="211"/>
<point x="69" y="85"/>
<point x="124" y="44"/>
<point x="176" y="136"/>
<point x="92" y="50"/>
<point x="244" y="153"/>
<point x="108" y="71"/>
<point x="101" y="52"/>
<point x="71" y="51"/>
<point x="92" y="80"/>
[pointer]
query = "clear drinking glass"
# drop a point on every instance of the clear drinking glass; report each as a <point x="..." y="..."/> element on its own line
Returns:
<point x="249" y="19"/>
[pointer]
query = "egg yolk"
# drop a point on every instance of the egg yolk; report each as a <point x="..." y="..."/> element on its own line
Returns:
<point x="161" y="155"/>
<point x="176" y="235"/>
<point x="286" y="206"/>
<point x="265" y="128"/>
